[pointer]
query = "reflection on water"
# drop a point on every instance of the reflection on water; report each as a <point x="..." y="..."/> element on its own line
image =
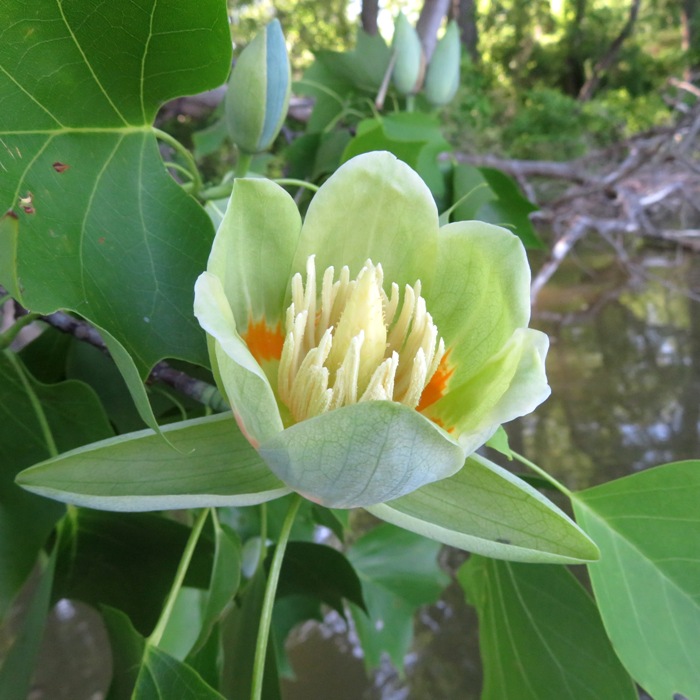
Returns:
<point x="624" y="366"/>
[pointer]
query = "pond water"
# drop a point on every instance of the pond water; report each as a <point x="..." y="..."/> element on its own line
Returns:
<point x="624" y="367"/>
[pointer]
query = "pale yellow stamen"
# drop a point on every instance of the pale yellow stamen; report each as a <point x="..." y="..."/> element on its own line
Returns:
<point x="355" y="348"/>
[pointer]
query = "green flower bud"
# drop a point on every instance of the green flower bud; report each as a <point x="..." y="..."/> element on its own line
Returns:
<point x="442" y="77"/>
<point x="258" y="91"/>
<point x="409" y="68"/>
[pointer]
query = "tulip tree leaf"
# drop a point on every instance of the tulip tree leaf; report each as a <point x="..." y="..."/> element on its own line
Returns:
<point x="224" y="581"/>
<point x="490" y="195"/>
<point x="319" y="571"/>
<point x="486" y="510"/>
<point x="413" y="137"/>
<point x="399" y="573"/>
<point x="210" y="463"/>
<point x="73" y="416"/>
<point x="647" y="582"/>
<point x="81" y="170"/>
<point x="540" y="634"/>
<point x="144" y="672"/>
<point x="126" y="561"/>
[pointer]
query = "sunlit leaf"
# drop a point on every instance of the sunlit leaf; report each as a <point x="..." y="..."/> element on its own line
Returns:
<point x="487" y="510"/>
<point x="80" y="168"/>
<point x="540" y="634"/>
<point x="647" y="582"/>
<point x="208" y="464"/>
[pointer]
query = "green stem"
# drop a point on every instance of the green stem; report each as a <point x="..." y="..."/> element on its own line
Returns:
<point x="36" y="404"/>
<point x="269" y="600"/>
<point x="179" y="148"/>
<point x="298" y="183"/>
<point x="410" y="103"/>
<point x="217" y="192"/>
<point x="538" y="470"/>
<point x="445" y="216"/>
<point x="162" y="623"/>
<point x="243" y="164"/>
<point x="171" y="165"/>
<point x="11" y="333"/>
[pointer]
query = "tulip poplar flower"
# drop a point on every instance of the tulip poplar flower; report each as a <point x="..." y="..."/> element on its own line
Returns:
<point x="367" y="352"/>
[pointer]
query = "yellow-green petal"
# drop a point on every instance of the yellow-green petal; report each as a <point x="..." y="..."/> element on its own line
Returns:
<point x="512" y="383"/>
<point x="373" y="207"/>
<point x="362" y="454"/>
<point x="244" y="382"/>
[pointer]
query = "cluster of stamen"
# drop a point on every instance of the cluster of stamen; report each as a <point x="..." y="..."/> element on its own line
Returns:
<point x="357" y="346"/>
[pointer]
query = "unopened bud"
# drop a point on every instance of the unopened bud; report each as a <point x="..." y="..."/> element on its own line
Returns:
<point x="442" y="77"/>
<point x="409" y="67"/>
<point x="258" y="91"/>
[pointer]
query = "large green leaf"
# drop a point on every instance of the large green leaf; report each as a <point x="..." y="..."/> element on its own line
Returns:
<point x="209" y="463"/>
<point x="127" y="561"/>
<point x="32" y="415"/>
<point x="319" y="571"/>
<point x="491" y="195"/>
<point x="144" y="672"/>
<point x="399" y="573"/>
<point x="485" y="509"/>
<point x="224" y="580"/>
<point x="540" y="634"/>
<point x="647" y="582"/>
<point x="102" y="228"/>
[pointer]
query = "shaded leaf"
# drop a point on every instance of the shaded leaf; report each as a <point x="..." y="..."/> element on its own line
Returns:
<point x="224" y="581"/>
<point x="126" y="561"/>
<point x="73" y="417"/>
<point x="399" y="573"/>
<point x="144" y="672"/>
<point x="319" y="571"/>
<point x="17" y="666"/>
<point x="162" y="676"/>
<point x="647" y="582"/>
<point x="495" y="198"/>
<point x="540" y="634"/>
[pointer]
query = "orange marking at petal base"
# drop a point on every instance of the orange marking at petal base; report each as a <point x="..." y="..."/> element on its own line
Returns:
<point x="436" y="388"/>
<point x="441" y="423"/>
<point x="264" y="343"/>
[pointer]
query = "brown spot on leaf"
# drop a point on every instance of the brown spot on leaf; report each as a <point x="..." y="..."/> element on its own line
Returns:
<point x="101" y="240"/>
<point x="11" y="214"/>
<point x="60" y="167"/>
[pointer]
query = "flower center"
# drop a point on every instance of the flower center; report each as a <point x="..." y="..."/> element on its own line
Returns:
<point x="356" y="346"/>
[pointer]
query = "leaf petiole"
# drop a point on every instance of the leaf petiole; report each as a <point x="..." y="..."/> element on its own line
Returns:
<point x="269" y="600"/>
<point x="547" y="477"/>
<point x="182" y="567"/>
<point x="187" y="156"/>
